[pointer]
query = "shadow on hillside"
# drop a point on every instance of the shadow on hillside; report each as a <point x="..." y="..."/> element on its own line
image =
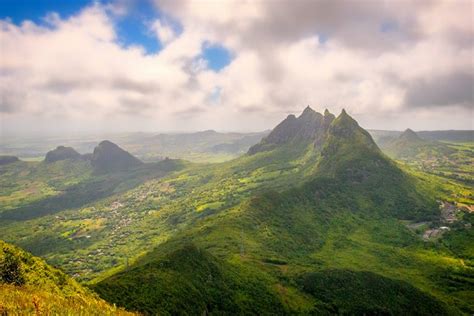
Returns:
<point x="91" y="190"/>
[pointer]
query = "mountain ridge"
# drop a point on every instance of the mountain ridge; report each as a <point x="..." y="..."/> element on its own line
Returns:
<point x="275" y="229"/>
<point x="309" y="126"/>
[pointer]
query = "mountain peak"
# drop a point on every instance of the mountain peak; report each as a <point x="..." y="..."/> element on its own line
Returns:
<point x="344" y="114"/>
<point x="346" y="130"/>
<point x="107" y="143"/>
<point x="344" y="120"/>
<point x="409" y="134"/>
<point x="61" y="153"/>
<point x="328" y="117"/>
<point x="310" y="126"/>
<point x="309" y="114"/>
<point x="108" y="157"/>
<point x="307" y="110"/>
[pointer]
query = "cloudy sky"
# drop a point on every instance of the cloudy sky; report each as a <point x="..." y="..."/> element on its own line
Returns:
<point x="233" y="65"/>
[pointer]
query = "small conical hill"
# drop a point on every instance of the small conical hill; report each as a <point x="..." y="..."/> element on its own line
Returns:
<point x="108" y="157"/>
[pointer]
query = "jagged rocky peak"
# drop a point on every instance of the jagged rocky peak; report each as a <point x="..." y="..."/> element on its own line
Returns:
<point x="344" y="129"/>
<point x="310" y="126"/>
<point x="108" y="157"/>
<point x="61" y="153"/>
<point x="309" y="114"/>
<point x="344" y="122"/>
<point x="328" y="117"/>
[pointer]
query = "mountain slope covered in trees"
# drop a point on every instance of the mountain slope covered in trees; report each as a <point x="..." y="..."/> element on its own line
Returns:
<point x="316" y="202"/>
<point x="344" y="214"/>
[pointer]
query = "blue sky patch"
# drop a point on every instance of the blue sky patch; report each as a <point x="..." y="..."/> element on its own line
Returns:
<point x="217" y="56"/>
<point x="133" y="28"/>
<point x="36" y="10"/>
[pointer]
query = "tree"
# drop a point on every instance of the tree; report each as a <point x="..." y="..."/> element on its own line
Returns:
<point x="10" y="269"/>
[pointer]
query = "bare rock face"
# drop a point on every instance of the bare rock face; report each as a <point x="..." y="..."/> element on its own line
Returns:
<point x="108" y="157"/>
<point x="61" y="153"/>
<point x="310" y="126"/>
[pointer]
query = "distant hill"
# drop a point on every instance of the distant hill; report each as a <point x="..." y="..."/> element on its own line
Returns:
<point x="457" y="136"/>
<point x="76" y="183"/>
<point x="29" y="286"/>
<point x="382" y="137"/>
<point x="61" y="153"/>
<point x="4" y="160"/>
<point x="108" y="157"/>
<point x="204" y="146"/>
<point x="410" y="145"/>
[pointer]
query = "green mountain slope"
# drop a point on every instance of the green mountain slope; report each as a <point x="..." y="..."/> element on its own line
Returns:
<point x="29" y="286"/>
<point x="346" y="292"/>
<point x="317" y="196"/>
<point x="341" y="209"/>
<point x="190" y="281"/>
<point x="32" y="189"/>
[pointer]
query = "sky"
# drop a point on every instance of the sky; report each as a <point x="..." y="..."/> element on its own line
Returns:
<point x="233" y="65"/>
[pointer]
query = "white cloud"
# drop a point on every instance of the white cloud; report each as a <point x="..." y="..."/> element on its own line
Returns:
<point x="286" y="55"/>
<point x="164" y="31"/>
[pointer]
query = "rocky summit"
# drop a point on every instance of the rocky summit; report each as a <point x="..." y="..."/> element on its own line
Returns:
<point x="309" y="126"/>
<point x="108" y="157"/>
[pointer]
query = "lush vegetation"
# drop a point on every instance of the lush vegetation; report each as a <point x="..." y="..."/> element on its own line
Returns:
<point x="33" y="189"/>
<point x="346" y="292"/>
<point x="266" y="233"/>
<point x="449" y="160"/>
<point x="29" y="286"/>
<point x="350" y="216"/>
<point x="190" y="281"/>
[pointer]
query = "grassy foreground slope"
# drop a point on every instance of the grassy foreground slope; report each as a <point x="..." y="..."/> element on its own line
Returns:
<point x="30" y="286"/>
<point x="341" y="224"/>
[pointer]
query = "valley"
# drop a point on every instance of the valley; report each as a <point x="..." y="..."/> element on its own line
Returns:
<point x="314" y="203"/>
<point x="235" y="157"/>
